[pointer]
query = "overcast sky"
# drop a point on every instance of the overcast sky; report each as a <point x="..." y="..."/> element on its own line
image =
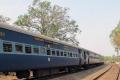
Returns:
<point x="96" y="19"/>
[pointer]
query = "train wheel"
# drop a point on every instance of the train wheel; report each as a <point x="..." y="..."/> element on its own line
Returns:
<point x="6" y="73"/>
<point x="71" y="69"/>
<point x="41" y="73"/>
<point x="36" y="73"/>
<point x="23" y="74"/>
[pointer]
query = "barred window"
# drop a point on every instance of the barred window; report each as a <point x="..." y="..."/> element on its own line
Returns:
<point x="57" y="53"/>
<point x="42" y="50"/>
<point x="70" y="54"/>
<point x="65" y="54"/>
<point x="28" y="49"/>
<point x="48" y="52"/>
<point x="7" y="47"/>
<point x="53" y="52"/>
<point x="61" y="53"/>
<point x="74" y="54"/>
<point x="36" y="49"/>
<point x="19" y="48"/>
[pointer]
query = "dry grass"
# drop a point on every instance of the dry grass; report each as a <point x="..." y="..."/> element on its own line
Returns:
<point x="3" y="77"/>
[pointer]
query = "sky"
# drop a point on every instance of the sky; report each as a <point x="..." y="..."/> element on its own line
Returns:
<point x="96" y="19"/>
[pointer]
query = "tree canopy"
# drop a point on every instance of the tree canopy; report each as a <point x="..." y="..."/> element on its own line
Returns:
<point x="115" y="37"/>
<point x="111" y="59"/>
<point x="4" y="19"/>
<point x="50" y="20"/>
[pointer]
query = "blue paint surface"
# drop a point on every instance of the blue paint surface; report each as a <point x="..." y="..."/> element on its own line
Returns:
<point x="13" y="62"/>
<point x="28" y="39"/>
<point x="16" y="62"/>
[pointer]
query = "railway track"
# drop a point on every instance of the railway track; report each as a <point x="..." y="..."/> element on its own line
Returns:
<point x="63" y="76"/>
<point x="111" y="72"/>
<point x="79" y="75"/>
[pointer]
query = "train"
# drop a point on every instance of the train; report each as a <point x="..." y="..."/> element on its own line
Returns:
<point x="25" y="52"/>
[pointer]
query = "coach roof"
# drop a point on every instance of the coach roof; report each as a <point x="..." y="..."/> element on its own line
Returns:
<point x="35" y="34"/>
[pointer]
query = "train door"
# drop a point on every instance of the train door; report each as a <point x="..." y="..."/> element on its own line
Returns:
<point x="88" y="56"/>
<point x="0" y="46"/>
<point x="80" y="56"/>
<point x="84" y="57"/>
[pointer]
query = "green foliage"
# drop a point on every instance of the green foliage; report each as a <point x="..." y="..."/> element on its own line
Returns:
<point x="111" y="59"/>
<point x="4" y="19"/>
<point x="108" y="59"/>
<point x="50" y="20"/>
<point x="115" y="37"/>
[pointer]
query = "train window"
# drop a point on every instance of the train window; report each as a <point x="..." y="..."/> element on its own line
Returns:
<point x="36" y="50"/>
<point x="42" y="50"/>
<point x="84" y="55"/>
<point x="79" y="50"/>
<point x="65" y="54"/>
<point x="70" y="54"/>
<point x="28" y="49"/>
<point x="61" y="53"/>
<point x="57" y="53"/>
<point x="7" y="47"/>
<point x="53" y="52"/>
<point x="48" y="52"/>
<point x="19" y="48"/>
<point x="73" y="54"/>
<point x="77" y="55"/>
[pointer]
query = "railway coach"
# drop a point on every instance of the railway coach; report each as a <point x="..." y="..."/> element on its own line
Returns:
<point x="24" y="52"/>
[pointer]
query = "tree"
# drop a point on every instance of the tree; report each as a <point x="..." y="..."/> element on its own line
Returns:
<point x="4" y="19"/>
<point x="50" y="20"/>
<point x="115" y="38"/>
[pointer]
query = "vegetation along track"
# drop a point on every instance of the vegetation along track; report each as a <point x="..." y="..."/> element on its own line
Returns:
<point x="110" y="72"/>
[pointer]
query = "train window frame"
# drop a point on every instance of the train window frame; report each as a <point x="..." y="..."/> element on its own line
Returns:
<point x="49" y="52"/>
<point x="61" y="53"/>
<point x="73" y="54"/>
<point x="30" y="47"/>
<point x="53" y="52"/>
<point x="83" y="54"/>
<point x="42" y="50"/>
<point x="34" y="47"/>
<point x="78" y="55"/>
<point x="70" y="54"/>
<point x="65" y="53"/>
<point x="57" y="53"/>
<point x="7" y="42"/>
<point x="19" y="45"/>
<point x="1" y="46"/>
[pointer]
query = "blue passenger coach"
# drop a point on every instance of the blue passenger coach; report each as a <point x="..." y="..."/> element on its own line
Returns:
<point x="22" y="51"/>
